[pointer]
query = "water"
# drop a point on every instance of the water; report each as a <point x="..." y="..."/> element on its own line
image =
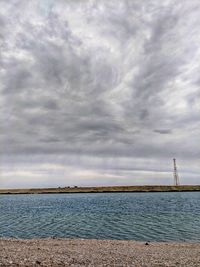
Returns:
<point x="138" y="216"/>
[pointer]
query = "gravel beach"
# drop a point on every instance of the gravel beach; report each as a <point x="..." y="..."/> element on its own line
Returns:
<point x="78" y="252"/>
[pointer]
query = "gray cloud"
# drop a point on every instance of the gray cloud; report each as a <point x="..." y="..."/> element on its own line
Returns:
<point x="113" y="80"/>
<point x="163" y="131"/>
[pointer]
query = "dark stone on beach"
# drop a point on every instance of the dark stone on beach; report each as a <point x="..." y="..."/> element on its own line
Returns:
<point x="146" y="244"/>
<point x="38" y="262"/>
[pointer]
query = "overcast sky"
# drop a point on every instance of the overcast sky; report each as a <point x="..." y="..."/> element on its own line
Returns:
<point x="99" y="92"/>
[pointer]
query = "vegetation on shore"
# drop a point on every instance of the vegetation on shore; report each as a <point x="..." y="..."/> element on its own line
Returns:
<point x="103" y="189"/>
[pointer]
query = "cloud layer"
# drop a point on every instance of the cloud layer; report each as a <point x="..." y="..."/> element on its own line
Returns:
<point x="103" y="92"/>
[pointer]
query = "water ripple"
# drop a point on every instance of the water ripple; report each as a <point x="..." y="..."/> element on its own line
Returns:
<point x="145" y="216"/>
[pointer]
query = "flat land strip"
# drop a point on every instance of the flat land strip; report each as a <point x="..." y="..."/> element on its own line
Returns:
<point x="105" y="189"/>
<point x="78" y="252"/>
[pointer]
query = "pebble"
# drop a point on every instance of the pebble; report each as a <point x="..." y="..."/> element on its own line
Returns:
<point x="76" y="252"/>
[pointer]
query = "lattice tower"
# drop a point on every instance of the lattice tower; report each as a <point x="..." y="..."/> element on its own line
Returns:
<point x="176" y="176"/>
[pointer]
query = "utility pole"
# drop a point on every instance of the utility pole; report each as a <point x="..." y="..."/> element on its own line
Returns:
<point x="176" y="177"/>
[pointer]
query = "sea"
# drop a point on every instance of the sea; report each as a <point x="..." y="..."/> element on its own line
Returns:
<point x="168" y="216"/>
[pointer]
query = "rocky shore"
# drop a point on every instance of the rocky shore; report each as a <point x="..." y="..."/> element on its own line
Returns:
<point x="78" y="252"/>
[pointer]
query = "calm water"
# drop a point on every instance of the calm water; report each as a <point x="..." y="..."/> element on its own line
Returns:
<point x="139" y="216"/>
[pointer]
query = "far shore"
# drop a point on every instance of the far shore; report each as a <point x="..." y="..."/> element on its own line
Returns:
<point x="104" y="189"/>
<point x="93" y="253"/>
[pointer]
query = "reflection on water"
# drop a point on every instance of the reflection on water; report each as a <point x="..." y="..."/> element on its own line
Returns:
<point x="139" y="216"/>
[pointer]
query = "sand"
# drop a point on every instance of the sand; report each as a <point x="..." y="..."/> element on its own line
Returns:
<point x="78" y="252"/>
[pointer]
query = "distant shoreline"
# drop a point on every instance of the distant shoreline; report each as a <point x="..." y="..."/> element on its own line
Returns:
<point x="104" y="189"/>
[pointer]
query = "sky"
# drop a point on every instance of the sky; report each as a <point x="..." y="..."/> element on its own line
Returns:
<point x="99" y="92"/>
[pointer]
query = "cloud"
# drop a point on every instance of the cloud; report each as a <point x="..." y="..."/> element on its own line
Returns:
<point x="110" y="80"/>
<point x="163" y="131"/>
